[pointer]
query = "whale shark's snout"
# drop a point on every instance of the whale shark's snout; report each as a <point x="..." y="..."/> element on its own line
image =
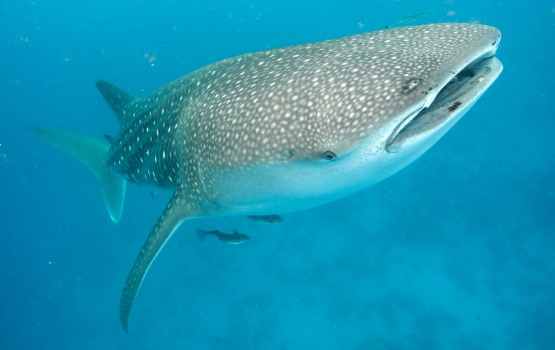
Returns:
<point x="457" y="90"/>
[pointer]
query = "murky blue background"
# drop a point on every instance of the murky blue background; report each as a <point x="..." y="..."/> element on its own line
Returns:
<point x="457" y="251"/>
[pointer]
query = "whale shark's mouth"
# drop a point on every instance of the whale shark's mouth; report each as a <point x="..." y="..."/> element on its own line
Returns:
<point x="452" y="101"/>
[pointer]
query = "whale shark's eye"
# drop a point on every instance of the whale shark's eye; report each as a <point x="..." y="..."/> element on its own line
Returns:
<point x="330" y="155"/>
<point x="288" y="153"/>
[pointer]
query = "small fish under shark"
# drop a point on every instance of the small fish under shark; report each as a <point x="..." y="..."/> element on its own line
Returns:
<point x="285" y="129"/>
<point x="229" y="238"/>
<point x="266" y="219"/>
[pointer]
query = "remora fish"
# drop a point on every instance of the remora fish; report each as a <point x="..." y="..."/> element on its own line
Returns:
<point x="233" y="238"/>
<point x="268" y="219"/>
<point x="286" y="129"/>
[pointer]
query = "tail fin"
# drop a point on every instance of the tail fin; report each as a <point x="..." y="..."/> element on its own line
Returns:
<point x="94" y="153"/>
<point x="201" y="234"/>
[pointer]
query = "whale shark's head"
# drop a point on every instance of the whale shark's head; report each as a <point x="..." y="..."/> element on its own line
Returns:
<point x="296" y="127"/>
<point x="430" y="76"/>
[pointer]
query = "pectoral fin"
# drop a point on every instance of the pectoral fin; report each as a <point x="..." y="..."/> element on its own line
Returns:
<point x="177" y="210"/>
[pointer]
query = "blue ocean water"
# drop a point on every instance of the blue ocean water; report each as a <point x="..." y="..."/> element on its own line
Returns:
<point x="457" y="251"/>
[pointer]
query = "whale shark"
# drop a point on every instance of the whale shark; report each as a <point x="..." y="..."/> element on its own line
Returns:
<point x="285" y="129"/>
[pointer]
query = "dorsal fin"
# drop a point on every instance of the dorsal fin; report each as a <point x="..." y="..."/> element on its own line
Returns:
<point x="118" y="99"/>
<point x="109" y="138"/>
